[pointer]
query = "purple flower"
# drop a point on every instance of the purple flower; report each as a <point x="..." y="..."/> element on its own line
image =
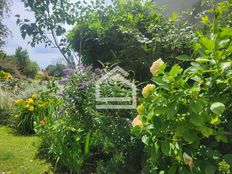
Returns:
<point x="68" y="72"/>
<point x="64" y="80"/>
<point x="80" y="66"/>
<point x="82" y="86"/>
<point x="98" y="71"/>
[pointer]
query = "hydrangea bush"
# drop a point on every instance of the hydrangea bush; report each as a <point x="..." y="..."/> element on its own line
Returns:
<point x="185" y="115"/>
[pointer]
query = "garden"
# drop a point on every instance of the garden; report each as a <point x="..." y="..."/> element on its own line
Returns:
<point x="181" y="65"/>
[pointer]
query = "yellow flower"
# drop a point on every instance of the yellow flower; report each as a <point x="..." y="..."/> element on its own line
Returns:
<point x="8" y="76"/>
<point x="30" y="100"/>
<point x="33" y="96"/>
<point x="140" y="109"/>
<point x="27" y="106"/>
<point x="31" y="108"/>
<point x="147" y="90"/>
<point x="155" y="66"/>
<point x="18" y="101"/>
<point x="137" y="122"/>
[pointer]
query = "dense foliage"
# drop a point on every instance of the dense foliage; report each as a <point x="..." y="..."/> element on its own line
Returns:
<point x="57" y="70"/>
<point x="184" y="118"/>
<point x="184" y="122"/>
<point x="27" y="67"/>
<point x="82" y="139"/>
<point x="50" y="17"/>
<point x="131" y="33"/>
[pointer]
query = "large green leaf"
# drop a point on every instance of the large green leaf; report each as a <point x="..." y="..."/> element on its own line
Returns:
<point x="176" y="69"/>
<point x="196" y="107"/>
<point x="165" y="147"/>
<point x="87" y="143"/>
<point x="190" y="135"/>
<point x="184" y="58"/>
<point x="206" y="131"/>
<point x="217" y="108"/>
<point x="197" y="120"/>
<point x="207" y="43"/>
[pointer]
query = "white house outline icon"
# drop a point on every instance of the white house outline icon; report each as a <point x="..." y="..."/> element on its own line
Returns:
<point x="116" y="74"/>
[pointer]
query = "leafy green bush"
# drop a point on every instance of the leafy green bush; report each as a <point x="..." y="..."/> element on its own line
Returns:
<point x="84" y="139"/>
<point x="5" y="76"/>
<point x="184" y="117"/>
<point x="132" y="33"/>
<point x="9" y="64"/>
<point x="27" y="67"/>
<point x="37" y="108"/>
<point x="57" y="70"/>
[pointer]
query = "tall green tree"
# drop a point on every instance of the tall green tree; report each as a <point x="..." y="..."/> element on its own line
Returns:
<point x="27" y="67"/>
<point x="56" y="70"/>
<point x="131" y="33"/>
<point x="48" y="27"/>
<point x="4" y="10"/>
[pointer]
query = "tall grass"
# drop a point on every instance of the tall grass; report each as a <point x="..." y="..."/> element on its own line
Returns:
<point x="6" y="104"/>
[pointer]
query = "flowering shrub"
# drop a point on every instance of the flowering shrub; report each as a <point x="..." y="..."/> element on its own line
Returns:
<point x="5" y="75"/>
<point x="87" y="140"/>
<point x="184" y="117"/>
<point x="32" y="113"/>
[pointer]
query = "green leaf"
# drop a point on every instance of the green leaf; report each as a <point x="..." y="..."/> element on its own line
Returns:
<point x="172" y="170"/>
<point x="197" y="120"/>
<point x="171" y="111"/>
<point x="217" y="108"/>
<point x="180" y="130"/>
<point x="165" y="147"/>
<point x="155" y="153"/>
<point x="190" y="135"/>
<point x="226" y="33"/>
<point x="196" y="107"/>
<point x="202" y="60"/>
<point x="210" y="169"/>
<point x="205" y="20"/>
<point x="184" y="57"/>
<point x="206" y="131"/>
<point x="176" y="69"/>
<point x="215" y="120"/>
<point x="207" y="43"/>
<point x="145" y="139"/>
<point x="87" y="142"/>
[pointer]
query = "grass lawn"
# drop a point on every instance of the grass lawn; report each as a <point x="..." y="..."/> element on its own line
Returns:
<point x="18" y="154"/>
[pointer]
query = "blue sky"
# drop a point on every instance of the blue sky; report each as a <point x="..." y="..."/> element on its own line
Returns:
<point x="43" y="56"/>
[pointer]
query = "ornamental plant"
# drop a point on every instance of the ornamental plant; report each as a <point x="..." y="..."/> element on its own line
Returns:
<point x="5" y="75"/>
<point x="86" y="140"/>
<point x="184" y="115"/>
<point x="32" y="113"/>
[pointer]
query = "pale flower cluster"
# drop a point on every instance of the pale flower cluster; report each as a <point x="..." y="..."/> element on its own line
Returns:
<point x="155" y="66"/>
<point x="137" y="122"/>
<point x="147" y="90"/>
